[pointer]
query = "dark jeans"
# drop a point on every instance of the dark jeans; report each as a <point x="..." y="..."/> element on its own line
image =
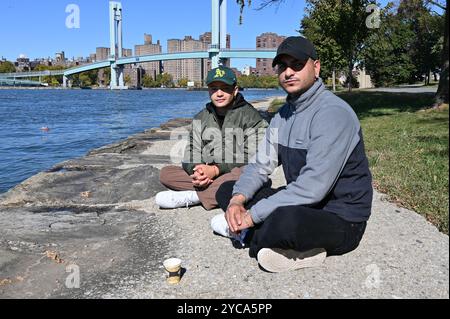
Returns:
<point x="297" y="227"/>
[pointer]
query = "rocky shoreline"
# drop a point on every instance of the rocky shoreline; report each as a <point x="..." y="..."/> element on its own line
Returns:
<point x="94" y="218"/>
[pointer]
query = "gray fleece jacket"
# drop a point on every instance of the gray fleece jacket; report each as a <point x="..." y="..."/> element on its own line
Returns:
<point x="318" y="140"/>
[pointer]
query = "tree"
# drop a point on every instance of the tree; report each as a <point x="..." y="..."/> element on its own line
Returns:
<point x="263" y="4"/>
<point x="165" y="80"/>
<point x="183" y="82"/>
<point x="329" y="52"/>
<point x="407" y="46"/>
<point x="343" y="21"/>
<point x="42" y="67"/>
<point x="147" y="81"/>
<point x="93" y="76"/>
<point x="107" y="76"/>
<point x="386" y="54"/>
<point x="253" y="81"/>
<point x="241" y="3"/>
<point x="84" y="80"/>
<point x="404" y="49"/>
<point x="54" y="82"/>
<point x="427" y="31"/>
<point x="127" y="80"/>
<point x="442" y="92"/>
<point x="7" y="67"/>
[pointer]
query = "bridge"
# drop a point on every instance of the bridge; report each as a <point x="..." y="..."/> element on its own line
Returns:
<point x="217" y="51"/>
<point x="14" y="82"/>
<point x="11" y="79"/>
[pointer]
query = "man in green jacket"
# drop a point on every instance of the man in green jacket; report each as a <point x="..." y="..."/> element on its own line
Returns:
<point x="223" y="138"/>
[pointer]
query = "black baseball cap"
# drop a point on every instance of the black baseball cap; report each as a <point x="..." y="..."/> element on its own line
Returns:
<point x="298" y="47"/>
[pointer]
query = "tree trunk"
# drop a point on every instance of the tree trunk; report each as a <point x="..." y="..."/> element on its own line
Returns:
<point x="442" y="93"/>
<point x="334" y="80"/>
<point x="350" y="75"/>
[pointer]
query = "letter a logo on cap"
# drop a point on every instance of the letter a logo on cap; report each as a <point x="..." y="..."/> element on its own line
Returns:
<point x="219" y="73"/>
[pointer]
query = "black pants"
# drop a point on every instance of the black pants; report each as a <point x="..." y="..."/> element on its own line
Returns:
<point x="297" y="227"/>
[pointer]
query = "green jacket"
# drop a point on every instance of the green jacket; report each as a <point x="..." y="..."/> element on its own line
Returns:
<point x="228" y="146"/>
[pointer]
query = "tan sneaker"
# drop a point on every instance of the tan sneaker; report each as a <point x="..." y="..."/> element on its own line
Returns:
<point x="278" y="260"/>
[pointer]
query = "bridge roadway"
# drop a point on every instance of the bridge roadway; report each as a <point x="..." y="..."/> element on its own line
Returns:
<point x="14" y="82"/>
<point x="223" y="54"/>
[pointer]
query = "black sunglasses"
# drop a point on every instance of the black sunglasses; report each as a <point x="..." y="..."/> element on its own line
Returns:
<point x="296" y="66"/>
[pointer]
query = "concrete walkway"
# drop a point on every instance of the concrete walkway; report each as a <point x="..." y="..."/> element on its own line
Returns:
<point x="92" y="222"/>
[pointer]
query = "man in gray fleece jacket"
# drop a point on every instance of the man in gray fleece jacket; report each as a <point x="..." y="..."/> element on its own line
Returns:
<point x="317" y="138"/>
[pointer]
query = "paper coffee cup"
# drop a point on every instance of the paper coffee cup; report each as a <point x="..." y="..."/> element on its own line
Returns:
<point x="173" y="267"/>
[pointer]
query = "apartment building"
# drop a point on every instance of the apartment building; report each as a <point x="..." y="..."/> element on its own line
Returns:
<point x="268" y="40"/>
<point x="152" y="69"/>
<point x="194" y="70"/>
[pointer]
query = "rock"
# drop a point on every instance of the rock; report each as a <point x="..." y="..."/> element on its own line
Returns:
<point x="175" y="123"/>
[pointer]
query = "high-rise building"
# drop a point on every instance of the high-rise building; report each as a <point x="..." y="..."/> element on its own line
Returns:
<point x="148" y="39"/>
<point x="248" y="70"/>
<point x="127" y="52"/>
<point x="194" y="70"/>
<point x="150" y="68"/>
<point x="60" y="58"/>
<point x="237" y="72"/>
<point x="102" y="53"/>
<point x="266" y="41"/>
<point x="92" y="57"/>
<point x="190" y="69"/>
<point x="174" y="67"/>
<point x="22" y="63"/>
<point x="207" y="38"/>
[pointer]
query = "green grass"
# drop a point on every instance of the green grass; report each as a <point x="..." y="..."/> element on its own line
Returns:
<point x="407" y="149"/>
<point x="275" y="105"/>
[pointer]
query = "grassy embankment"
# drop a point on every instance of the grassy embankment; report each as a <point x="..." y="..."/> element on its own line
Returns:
<point x="407" y="148"/>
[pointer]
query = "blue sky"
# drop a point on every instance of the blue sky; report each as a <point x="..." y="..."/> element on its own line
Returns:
<point x="38" y="28"/>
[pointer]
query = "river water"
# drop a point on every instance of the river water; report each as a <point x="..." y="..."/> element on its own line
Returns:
<point x="81" y="120"/>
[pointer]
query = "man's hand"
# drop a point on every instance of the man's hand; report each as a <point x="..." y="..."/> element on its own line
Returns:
<point x="204" y="175"/>
<point x="237" y="216"/>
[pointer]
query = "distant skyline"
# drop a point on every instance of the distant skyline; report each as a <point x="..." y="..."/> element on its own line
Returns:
<point x="38" y="29"/>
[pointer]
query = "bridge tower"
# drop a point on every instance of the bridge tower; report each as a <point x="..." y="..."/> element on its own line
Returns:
<point x="218" y="31"/>
<point x="116" y="44"/>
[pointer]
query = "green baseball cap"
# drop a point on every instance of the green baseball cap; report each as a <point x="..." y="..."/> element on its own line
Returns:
<point x="221" y="74"/>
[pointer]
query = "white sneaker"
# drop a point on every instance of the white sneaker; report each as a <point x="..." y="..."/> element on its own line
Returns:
<point x="220" y="226"/>
<point x="172" y="199"/>
<point x="278" y="260"/>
